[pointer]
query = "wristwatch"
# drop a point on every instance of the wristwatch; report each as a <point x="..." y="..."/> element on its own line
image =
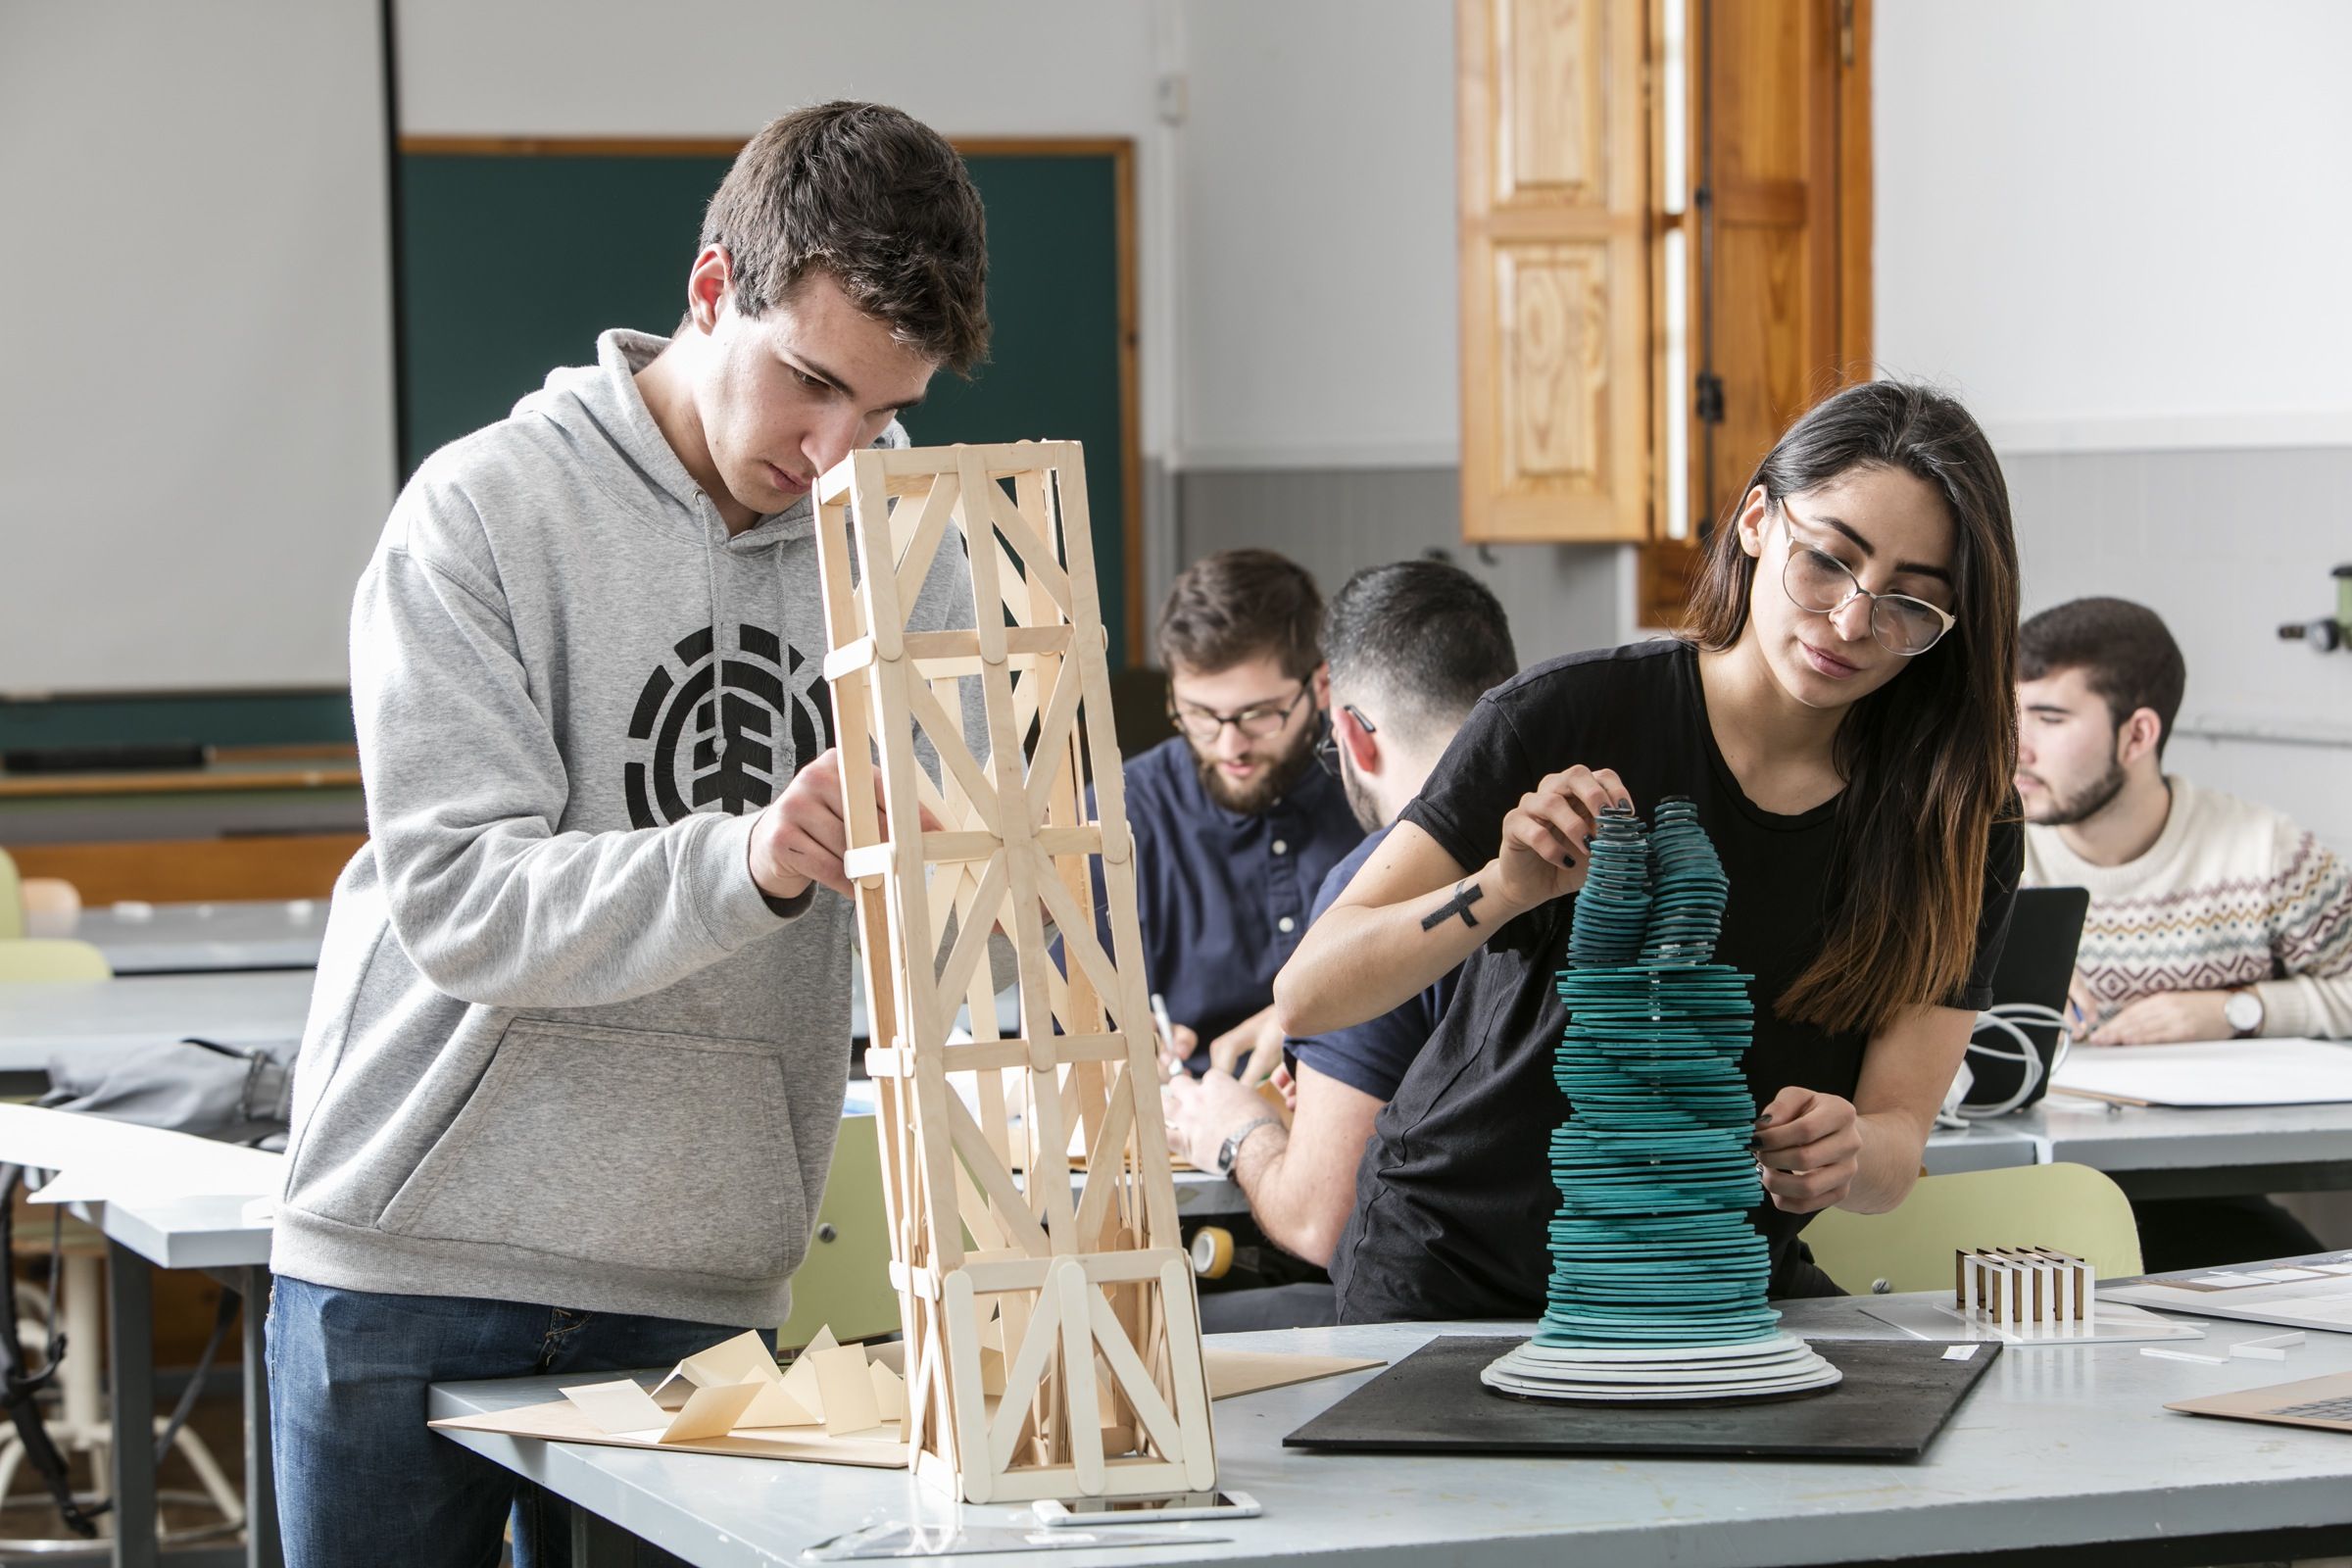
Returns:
<point x="1232" y="1148"/>
<point x="2244" y="1010"/>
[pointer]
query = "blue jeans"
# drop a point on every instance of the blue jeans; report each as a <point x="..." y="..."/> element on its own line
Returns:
<point x="361" y="1480"/>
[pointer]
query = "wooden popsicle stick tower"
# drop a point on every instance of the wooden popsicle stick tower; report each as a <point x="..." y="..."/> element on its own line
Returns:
<point x="1052" y="1342"/>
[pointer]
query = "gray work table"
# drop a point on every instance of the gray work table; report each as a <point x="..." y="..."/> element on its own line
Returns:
<point x="2157" y="1152"/>
<point x="2065" y="1451"/>
<point x="39" y="1020"/>
<point x="213" y="1234"/>
<point x="201" y="938"/>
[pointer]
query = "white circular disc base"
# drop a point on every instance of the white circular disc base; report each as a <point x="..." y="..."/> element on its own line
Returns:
<point x="1759" y="1369"/>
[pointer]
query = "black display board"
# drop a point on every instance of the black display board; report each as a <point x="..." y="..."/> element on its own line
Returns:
<point x="1895" y="1396"/>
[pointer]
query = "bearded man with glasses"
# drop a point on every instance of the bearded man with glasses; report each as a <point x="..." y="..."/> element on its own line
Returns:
<point x="1235" y="825"/>
<point x="1411" y="647"/>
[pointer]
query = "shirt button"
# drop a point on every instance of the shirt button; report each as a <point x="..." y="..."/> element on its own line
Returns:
<point x="1281" y="847"/>
<point x="1285" y="924"/>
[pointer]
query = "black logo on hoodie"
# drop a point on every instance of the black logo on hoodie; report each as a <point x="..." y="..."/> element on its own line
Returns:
<point x="715" y="725"/>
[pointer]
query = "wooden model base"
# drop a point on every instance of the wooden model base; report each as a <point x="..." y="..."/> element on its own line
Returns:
<point x="1053" y="1341"/>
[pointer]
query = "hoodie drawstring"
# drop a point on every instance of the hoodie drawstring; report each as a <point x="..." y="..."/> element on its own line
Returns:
<point x="788" y="745"/>
<point x="718" y="661"/>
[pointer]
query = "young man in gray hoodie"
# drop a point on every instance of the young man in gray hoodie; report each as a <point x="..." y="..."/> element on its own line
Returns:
<point x="576" y="1056"/>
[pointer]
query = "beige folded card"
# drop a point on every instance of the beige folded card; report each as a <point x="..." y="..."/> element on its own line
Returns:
<point x="836" y="1406"/>
<point x="735" y="1386"/>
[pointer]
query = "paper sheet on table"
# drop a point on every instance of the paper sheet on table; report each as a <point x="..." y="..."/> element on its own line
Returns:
<point x="1229" y="1373"/>
<point x="2215" y="1073"/>
<point x="100" y="1159"/>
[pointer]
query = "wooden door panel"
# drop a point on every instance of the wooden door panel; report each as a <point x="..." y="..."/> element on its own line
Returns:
<point x="1552" y="145"/>
<point x="1758" y="56"/>
<point x="1767" y="346"/>
<point x="1555" y="280"/>
<point x="1551" y="315"/>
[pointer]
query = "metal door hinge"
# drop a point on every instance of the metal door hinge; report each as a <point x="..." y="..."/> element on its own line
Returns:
<point x="1708" y="408"/>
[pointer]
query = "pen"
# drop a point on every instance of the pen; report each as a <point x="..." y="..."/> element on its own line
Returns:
<point x="1164" y="1024"/>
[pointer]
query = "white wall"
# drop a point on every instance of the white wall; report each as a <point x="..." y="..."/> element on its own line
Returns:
<point x="2116" y="229"/>
<point x="196" y="425"/>
<point x="2116" y="223"/>
<point x="1318" y="297"/>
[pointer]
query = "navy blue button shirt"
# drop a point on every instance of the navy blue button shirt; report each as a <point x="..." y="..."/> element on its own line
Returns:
<point x="1372" y="1056"/>
<point x="1225" y="897"/>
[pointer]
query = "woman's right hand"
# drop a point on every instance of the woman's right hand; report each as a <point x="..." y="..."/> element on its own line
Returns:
<point x="1543" y="855"/>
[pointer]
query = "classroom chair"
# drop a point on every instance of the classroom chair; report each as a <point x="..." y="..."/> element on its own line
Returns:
<point x="79" y="1425"/>
<point x="52" y="958"/>
<point x="12" y="899"/>
<point x="52" y="907"/>
<point x="2071" y="1207"/>
<point x="843" y="1283"/>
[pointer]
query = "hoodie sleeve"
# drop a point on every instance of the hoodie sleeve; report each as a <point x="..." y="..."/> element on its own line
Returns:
<point x="465" y="784"/>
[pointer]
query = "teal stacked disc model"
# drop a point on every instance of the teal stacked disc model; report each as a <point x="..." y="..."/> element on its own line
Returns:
<point x="1659" y="1281"/>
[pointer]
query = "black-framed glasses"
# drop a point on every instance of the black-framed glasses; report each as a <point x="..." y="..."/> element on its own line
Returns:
<point x="1327" y="750"/>
<point x="1257" y="721"/>
<point x="1818" y="583"/>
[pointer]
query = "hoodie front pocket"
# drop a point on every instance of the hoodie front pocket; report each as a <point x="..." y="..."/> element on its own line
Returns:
<point x="622" y="1147"/>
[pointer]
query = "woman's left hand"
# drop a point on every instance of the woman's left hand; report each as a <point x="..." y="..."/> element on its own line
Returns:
<point x="1809" y="1146"/>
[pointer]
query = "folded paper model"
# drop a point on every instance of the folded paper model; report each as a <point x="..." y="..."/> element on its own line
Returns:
<point x="836" y="1404"/>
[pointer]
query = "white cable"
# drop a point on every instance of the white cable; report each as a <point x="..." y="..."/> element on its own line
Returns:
<point x="2009" y="1019"/>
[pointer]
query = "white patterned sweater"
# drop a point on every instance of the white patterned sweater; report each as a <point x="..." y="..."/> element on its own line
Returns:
<point x="2230" y="895"/>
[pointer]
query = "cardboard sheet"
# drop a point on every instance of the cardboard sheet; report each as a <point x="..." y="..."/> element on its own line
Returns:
<point x="1229" y="1373"/>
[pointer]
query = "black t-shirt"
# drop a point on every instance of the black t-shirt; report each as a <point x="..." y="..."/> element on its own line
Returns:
<point x="1454" y="1193"/>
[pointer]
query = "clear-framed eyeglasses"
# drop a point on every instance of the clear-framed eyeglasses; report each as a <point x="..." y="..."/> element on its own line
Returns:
<point x="1259" y="721"/>
<point x="1327" y="750"/>
<point x="1820" y="584"/>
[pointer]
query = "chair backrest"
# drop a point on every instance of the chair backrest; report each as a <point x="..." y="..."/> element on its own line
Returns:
<point x="12" y="899"/>
<point x="52" y="907"/>
<point x="52" y="958"/>
<point x="2071" y="1207"/>
<point x="843" y="1283"/>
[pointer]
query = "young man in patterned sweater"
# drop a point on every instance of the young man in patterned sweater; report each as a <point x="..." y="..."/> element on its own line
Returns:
<point x="2211" y="917"/>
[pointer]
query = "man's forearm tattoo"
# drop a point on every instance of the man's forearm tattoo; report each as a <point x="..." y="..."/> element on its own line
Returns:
<point x="1465" y="894"/>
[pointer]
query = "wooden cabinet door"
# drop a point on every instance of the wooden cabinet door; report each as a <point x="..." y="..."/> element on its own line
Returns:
<point x="1555" y="270"/>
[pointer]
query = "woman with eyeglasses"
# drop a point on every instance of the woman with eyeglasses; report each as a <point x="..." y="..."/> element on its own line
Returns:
<point x="1841" y="711"/>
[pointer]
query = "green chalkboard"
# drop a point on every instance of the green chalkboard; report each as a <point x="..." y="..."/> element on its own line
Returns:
<point x="511" y="262"/>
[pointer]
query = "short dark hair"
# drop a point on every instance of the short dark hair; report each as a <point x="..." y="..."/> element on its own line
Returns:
<point x="1240" y="605"/>
<point x="1423" y="639"/>
<point x="2125" y="651"/>
<point x="878" y="200"/>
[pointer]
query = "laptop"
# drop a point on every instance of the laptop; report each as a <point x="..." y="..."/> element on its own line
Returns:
<point x="2037" y="965"/>
<point x="2312" y="1402"/>
<point x="2314" y="1292"/>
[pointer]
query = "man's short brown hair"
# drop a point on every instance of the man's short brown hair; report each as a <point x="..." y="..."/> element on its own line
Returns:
<point x="2125" y="651"/>
<point x="877" y="199"/>
<point x="1239" y="605"/>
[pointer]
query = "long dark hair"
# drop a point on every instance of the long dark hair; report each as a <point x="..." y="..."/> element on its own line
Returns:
<point x="1928" y="758"/>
